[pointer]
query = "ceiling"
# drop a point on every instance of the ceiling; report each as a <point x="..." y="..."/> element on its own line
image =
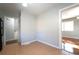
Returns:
<point x="9" y="9"/>
<point x="34" y="8"/>
<point x="38" y="8"/>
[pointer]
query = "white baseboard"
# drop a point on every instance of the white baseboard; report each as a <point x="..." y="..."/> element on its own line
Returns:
<point x="11" y="40"/>
<point x="48" y="44"/>
<point x="29" y="42"/>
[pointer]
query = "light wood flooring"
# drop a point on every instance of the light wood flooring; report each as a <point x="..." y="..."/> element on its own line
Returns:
<point x="74" y="42"/>
<point x="35" y="48"/>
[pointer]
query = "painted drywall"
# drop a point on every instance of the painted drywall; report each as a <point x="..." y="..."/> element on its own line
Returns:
<point x="9" y="29"/>
<point x="16" y="29"/>
<point x="48" y="25"/>
<point x="28" y="26"/>
<point x="75" y="32"/>
<point x="12" y="30"/>
<point x="70" y="12"/>
<point x="1" y="13"/>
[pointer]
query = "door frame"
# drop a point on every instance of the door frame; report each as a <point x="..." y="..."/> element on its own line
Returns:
<point x="4" y="36"/>
<point x="60" y="22"/>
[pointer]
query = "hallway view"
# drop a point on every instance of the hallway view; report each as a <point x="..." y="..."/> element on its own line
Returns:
<point x="35" y="48"/>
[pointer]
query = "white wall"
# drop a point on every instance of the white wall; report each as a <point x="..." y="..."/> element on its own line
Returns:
<point x="72" y="34"/>
<point x="16" y="29"/>
<point x="9" y="25"/>
<point x="28" y="26"/>
<point x="12" y="29"/>
<point x="70" y="12"/>
<point x="48" y="26"/>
